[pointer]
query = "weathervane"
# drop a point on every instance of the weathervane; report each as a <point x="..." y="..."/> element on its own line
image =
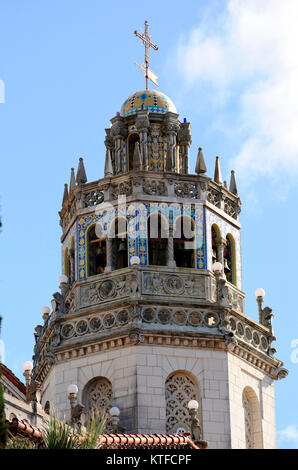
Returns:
<point x="145" y="67"/>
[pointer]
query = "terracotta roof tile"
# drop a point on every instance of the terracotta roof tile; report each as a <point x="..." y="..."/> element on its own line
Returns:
<point x="120" y="441"/>
<point x="13" y="379"/>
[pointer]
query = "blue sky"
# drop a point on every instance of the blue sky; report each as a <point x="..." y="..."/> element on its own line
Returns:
<point x="231" y="69"/>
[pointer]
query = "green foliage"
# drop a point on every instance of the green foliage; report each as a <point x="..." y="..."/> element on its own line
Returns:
<point x="19" y="443"/>
<point x="95" y="427"/>
<point x="57" y="434"/>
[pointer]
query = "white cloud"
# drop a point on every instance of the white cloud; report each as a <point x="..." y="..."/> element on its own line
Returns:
<point x="288" y="437"/>
<point x="248" y="54"/>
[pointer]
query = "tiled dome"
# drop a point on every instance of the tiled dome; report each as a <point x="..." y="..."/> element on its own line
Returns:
<point x="154" y="101"/>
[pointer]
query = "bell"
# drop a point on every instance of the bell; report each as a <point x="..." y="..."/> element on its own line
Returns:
<point x="226" y="266"/>
<point x="99" y="251"/>
<point x="122" y="247"/>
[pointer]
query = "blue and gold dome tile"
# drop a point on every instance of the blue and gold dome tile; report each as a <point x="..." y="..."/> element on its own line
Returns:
<point x="152" y="100"/>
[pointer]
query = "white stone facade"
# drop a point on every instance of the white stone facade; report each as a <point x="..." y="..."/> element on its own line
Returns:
<point x="138" y="375"/>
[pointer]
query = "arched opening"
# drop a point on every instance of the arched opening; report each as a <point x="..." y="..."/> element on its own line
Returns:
<point x="184" y="246"/>
<point x="230" y="260"/>
<point x="215" y="240"/>
<point x="132" y="139"/>
<point x="97" y="398"/>
<point x="66" y="263"/>
<point x="180" y="388"/>
<point x="118" y="232"/>
<point x="252" y="419"/>
<point x="96" y="251"/>
<point x="157" y="232"/>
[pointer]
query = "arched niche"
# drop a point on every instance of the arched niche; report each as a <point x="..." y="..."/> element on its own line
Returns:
<point x="184" y="242"/>
<point x="96" y="250"/>
<point x="97" y="395"/>
<point x="118" y="234"/>
<point x="252" y="419"/>
<point x="131" y="142"/>
<point x="215" y="243"/>
<point x="230" y="260"/>
<point x="181" y="386"/>
<point x="158" y="234"/>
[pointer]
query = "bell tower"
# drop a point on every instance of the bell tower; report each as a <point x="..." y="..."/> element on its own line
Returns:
<point x="151" y="312"/>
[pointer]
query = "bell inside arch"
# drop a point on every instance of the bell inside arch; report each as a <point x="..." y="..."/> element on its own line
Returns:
<point x="99" y="251"/>
<point x="122" y="246"/>
<point x="226" y="266"/>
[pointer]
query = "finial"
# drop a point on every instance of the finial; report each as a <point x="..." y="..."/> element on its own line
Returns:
<point x="225" y="184"/>
<point x="145" y="67"/>
<point x="108" y="164"/>
<point x="81" y="173"/>
<point x="65" y="195"/>
<point x="233" y="185"/>
<point x="217" y="172"/>
<point x="137" y="161"/>
<point x="200" y="163"/>
<point x="72" y="183"/>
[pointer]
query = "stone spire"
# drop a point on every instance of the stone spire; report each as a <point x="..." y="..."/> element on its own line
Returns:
<point x="217" y="172"/>
<point x="65" y="195"/>
<point x="137" y="159"/>
<point x="72" y="183"/>
<point x="233" y="185"/>
<point x="200" y="163"/>
<point x="81" y="173"/>
<point x="108" y="164"/>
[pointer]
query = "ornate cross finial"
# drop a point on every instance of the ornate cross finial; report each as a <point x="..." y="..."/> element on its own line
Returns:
<point x="147" y="43"/>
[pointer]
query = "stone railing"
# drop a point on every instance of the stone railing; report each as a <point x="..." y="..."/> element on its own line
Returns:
<point x="249" y="332"/>
<point x="223" y="199"/>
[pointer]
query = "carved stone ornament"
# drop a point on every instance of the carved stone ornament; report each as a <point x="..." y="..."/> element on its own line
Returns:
<point x="187" y="190"/>
<point x="214" y="197"/>
<point x="49" y="356"/>
<point x="154" y="187"/>
<point x="136" y="337"/>
<point x="180" y="389"/>
<point x="173" y="285"/>
<point x="124" y="188"/>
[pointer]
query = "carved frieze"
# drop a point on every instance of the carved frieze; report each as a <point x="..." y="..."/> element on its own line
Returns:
<point x="164" y="284"/>
<point x="155" y="187"/>
<point x="187" y="190"/>
<point x="124" y="188"/>
<point x="105" y="290"/>
<point x="95" y="323"/>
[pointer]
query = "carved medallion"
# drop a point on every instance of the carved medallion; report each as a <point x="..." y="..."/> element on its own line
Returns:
<point x="174" y="285"/>
<point x="67" y="330"/>
<point x="95" y="323"/>
<point x="179" y="317"/>
<point x="195" y="318"/>
<point x="107" y="289"/>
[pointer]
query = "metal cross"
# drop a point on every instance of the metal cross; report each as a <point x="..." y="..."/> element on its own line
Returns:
<point x="147" y="43"/>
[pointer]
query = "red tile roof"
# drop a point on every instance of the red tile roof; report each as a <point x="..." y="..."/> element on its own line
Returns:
<point x="149" y="441"/>
<point x="13" y="379"/>
<point x="118" y="441"/>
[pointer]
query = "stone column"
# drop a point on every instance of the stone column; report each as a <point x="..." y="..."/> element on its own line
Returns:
<point x="170" y="128"/>
<point x="118" y="133"/>
<point x="184" y="140"/>
<point x="170" y="254"/>
<point x="108" y="267"/>
<point x="143" y="124"/>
